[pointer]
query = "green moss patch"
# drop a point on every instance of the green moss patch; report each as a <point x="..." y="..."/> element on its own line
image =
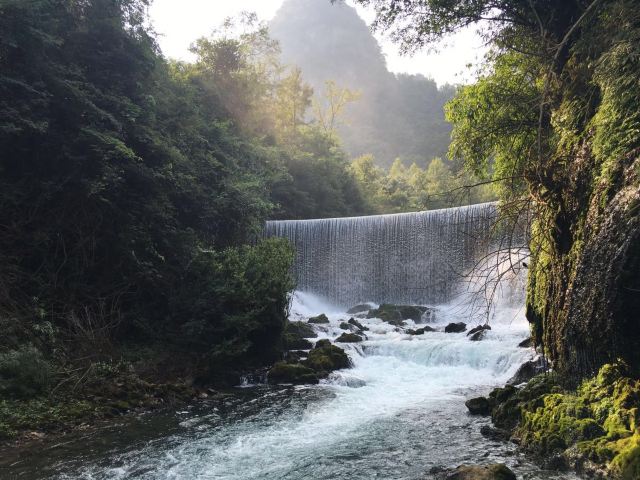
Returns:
<point x="596" y="424"/>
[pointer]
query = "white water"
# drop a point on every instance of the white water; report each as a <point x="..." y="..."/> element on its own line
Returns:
<point x="398" y="412"/>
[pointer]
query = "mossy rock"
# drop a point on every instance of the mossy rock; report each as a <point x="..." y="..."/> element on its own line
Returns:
<point x="345" y="326"/>
<point x="363" y="307"/>
<point x="496" y="471"/>
<point x="396" y="314"/>
<point x="301" y="329"/>
<point x="295" y="342"/>
<point x="349" y="338"/>
<point x="323" y="343"/>
<point x="327" y="358"/>
<point x="594" y="427"/>
<point x="479" y="406"/>
<point x="357" y="324"/>
<point x="319" y="319"/>
<point x="296" y="373"/>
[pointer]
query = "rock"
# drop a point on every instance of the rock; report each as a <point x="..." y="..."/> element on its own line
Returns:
<point x="420" y="331"/>
<point x="295" y="356"/>
<point x="301" y="329"/>
<point x="357" y="324"/>
<point x="496" y="471"/>
<point x="295" y="373"/>
<point x="527" y="371"/>
<point x="349" y="338"/>
<point x="345" y="326"/>
<point x="292" y="341"/>
<point x="495" y="434"/>
<point x="479" y="406"/>
<point x="528" y="343"/>
<point x="323" y="343"/>
<point x="476" y="337"/>
<point x="455" y="327"/>
<point x="479" y="328"/>
<point x="327" y="358"/>
<point x="364" y="307"/>
<point x="395" y="314"/>
<point x="322" y="318"/>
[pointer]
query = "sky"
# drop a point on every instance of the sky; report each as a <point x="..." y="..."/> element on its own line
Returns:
<point x="179" y="22"/>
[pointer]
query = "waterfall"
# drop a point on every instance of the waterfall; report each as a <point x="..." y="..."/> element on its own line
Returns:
<point x="415" y="257"/>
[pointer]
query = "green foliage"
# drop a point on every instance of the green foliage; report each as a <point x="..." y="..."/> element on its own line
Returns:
<point x="235" y="303"/>
<point x="24" y="373"/>
<point x="414" y="189"/>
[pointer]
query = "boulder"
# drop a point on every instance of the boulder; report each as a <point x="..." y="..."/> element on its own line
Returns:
<point x="294" y="342"/>
<point x="479" y="328"/>
<point x="322" y="318"/>
<point x="345" y="326"/>
<point x="295" y="373"/>
<point x="455" y="327"/>
<point x="527" y="343"/>
<point x="396" y="314"/>
<point x="327" y="358"/>
<point x="349" y="338"/>
<point x="476" y="337"/>
<point x="364" y="307"/>
<point x="419" y="331"/>
<point x="357" y="324"/>
<point x="323" y="343"/>
<point x="495" y="434"/>
<point x="528" y="370"/>
<point x="496" y="471"/>
<point x="301" y="329"/>
<point x="479" y="406"/>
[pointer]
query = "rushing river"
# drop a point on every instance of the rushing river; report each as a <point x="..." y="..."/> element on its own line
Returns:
<point x="397" y="414"/>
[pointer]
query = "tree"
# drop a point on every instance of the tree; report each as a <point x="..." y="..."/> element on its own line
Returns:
<point x="330" y="108"/>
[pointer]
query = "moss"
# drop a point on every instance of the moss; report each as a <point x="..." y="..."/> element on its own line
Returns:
<point x="597" y="423"/>
<point x="296" y="373"/>
<point x="327" y="358"/>
<point x="322" y="318"/>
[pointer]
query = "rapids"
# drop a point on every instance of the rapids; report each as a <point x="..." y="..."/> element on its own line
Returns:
<point x="397" y="414"/>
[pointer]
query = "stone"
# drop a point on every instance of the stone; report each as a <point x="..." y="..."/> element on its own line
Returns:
<point x="527" y="343"/>
<point x="479" y="328"/>
<point x="345" y="326"/>
<point x="479" y="406"/>
<point x="327" y="358"/>
<point x="476" y="337"/>
<point x="396" y="314"/>
<point x="295" y="373"/>
<point x="528" y="370"/>
<point x="301" y="329"/>
<point x="294" y="342"/>
<point x="323" y="343"/>
<point x="364" y="307"/>
<point x="357" y="324"/>
<point x="495" y="471"/>
<point x="322" y="318"/>
<point x="495" y="434"/>
<point x="455" y="327"/>
<point x="349" y="338"/>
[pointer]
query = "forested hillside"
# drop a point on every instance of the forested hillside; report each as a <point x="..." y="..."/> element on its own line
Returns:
<point x="133" y="192"/>
<point x="395" y="115"/>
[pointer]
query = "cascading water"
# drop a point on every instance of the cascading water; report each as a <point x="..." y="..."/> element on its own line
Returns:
<point x="414" y="258"/>
<point x="397" y="414"/>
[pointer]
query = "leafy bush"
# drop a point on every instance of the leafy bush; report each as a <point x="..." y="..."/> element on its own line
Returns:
<point x="24" y="373"/>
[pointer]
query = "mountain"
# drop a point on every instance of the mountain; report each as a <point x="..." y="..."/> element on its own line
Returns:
<point x="396" y="115"/>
